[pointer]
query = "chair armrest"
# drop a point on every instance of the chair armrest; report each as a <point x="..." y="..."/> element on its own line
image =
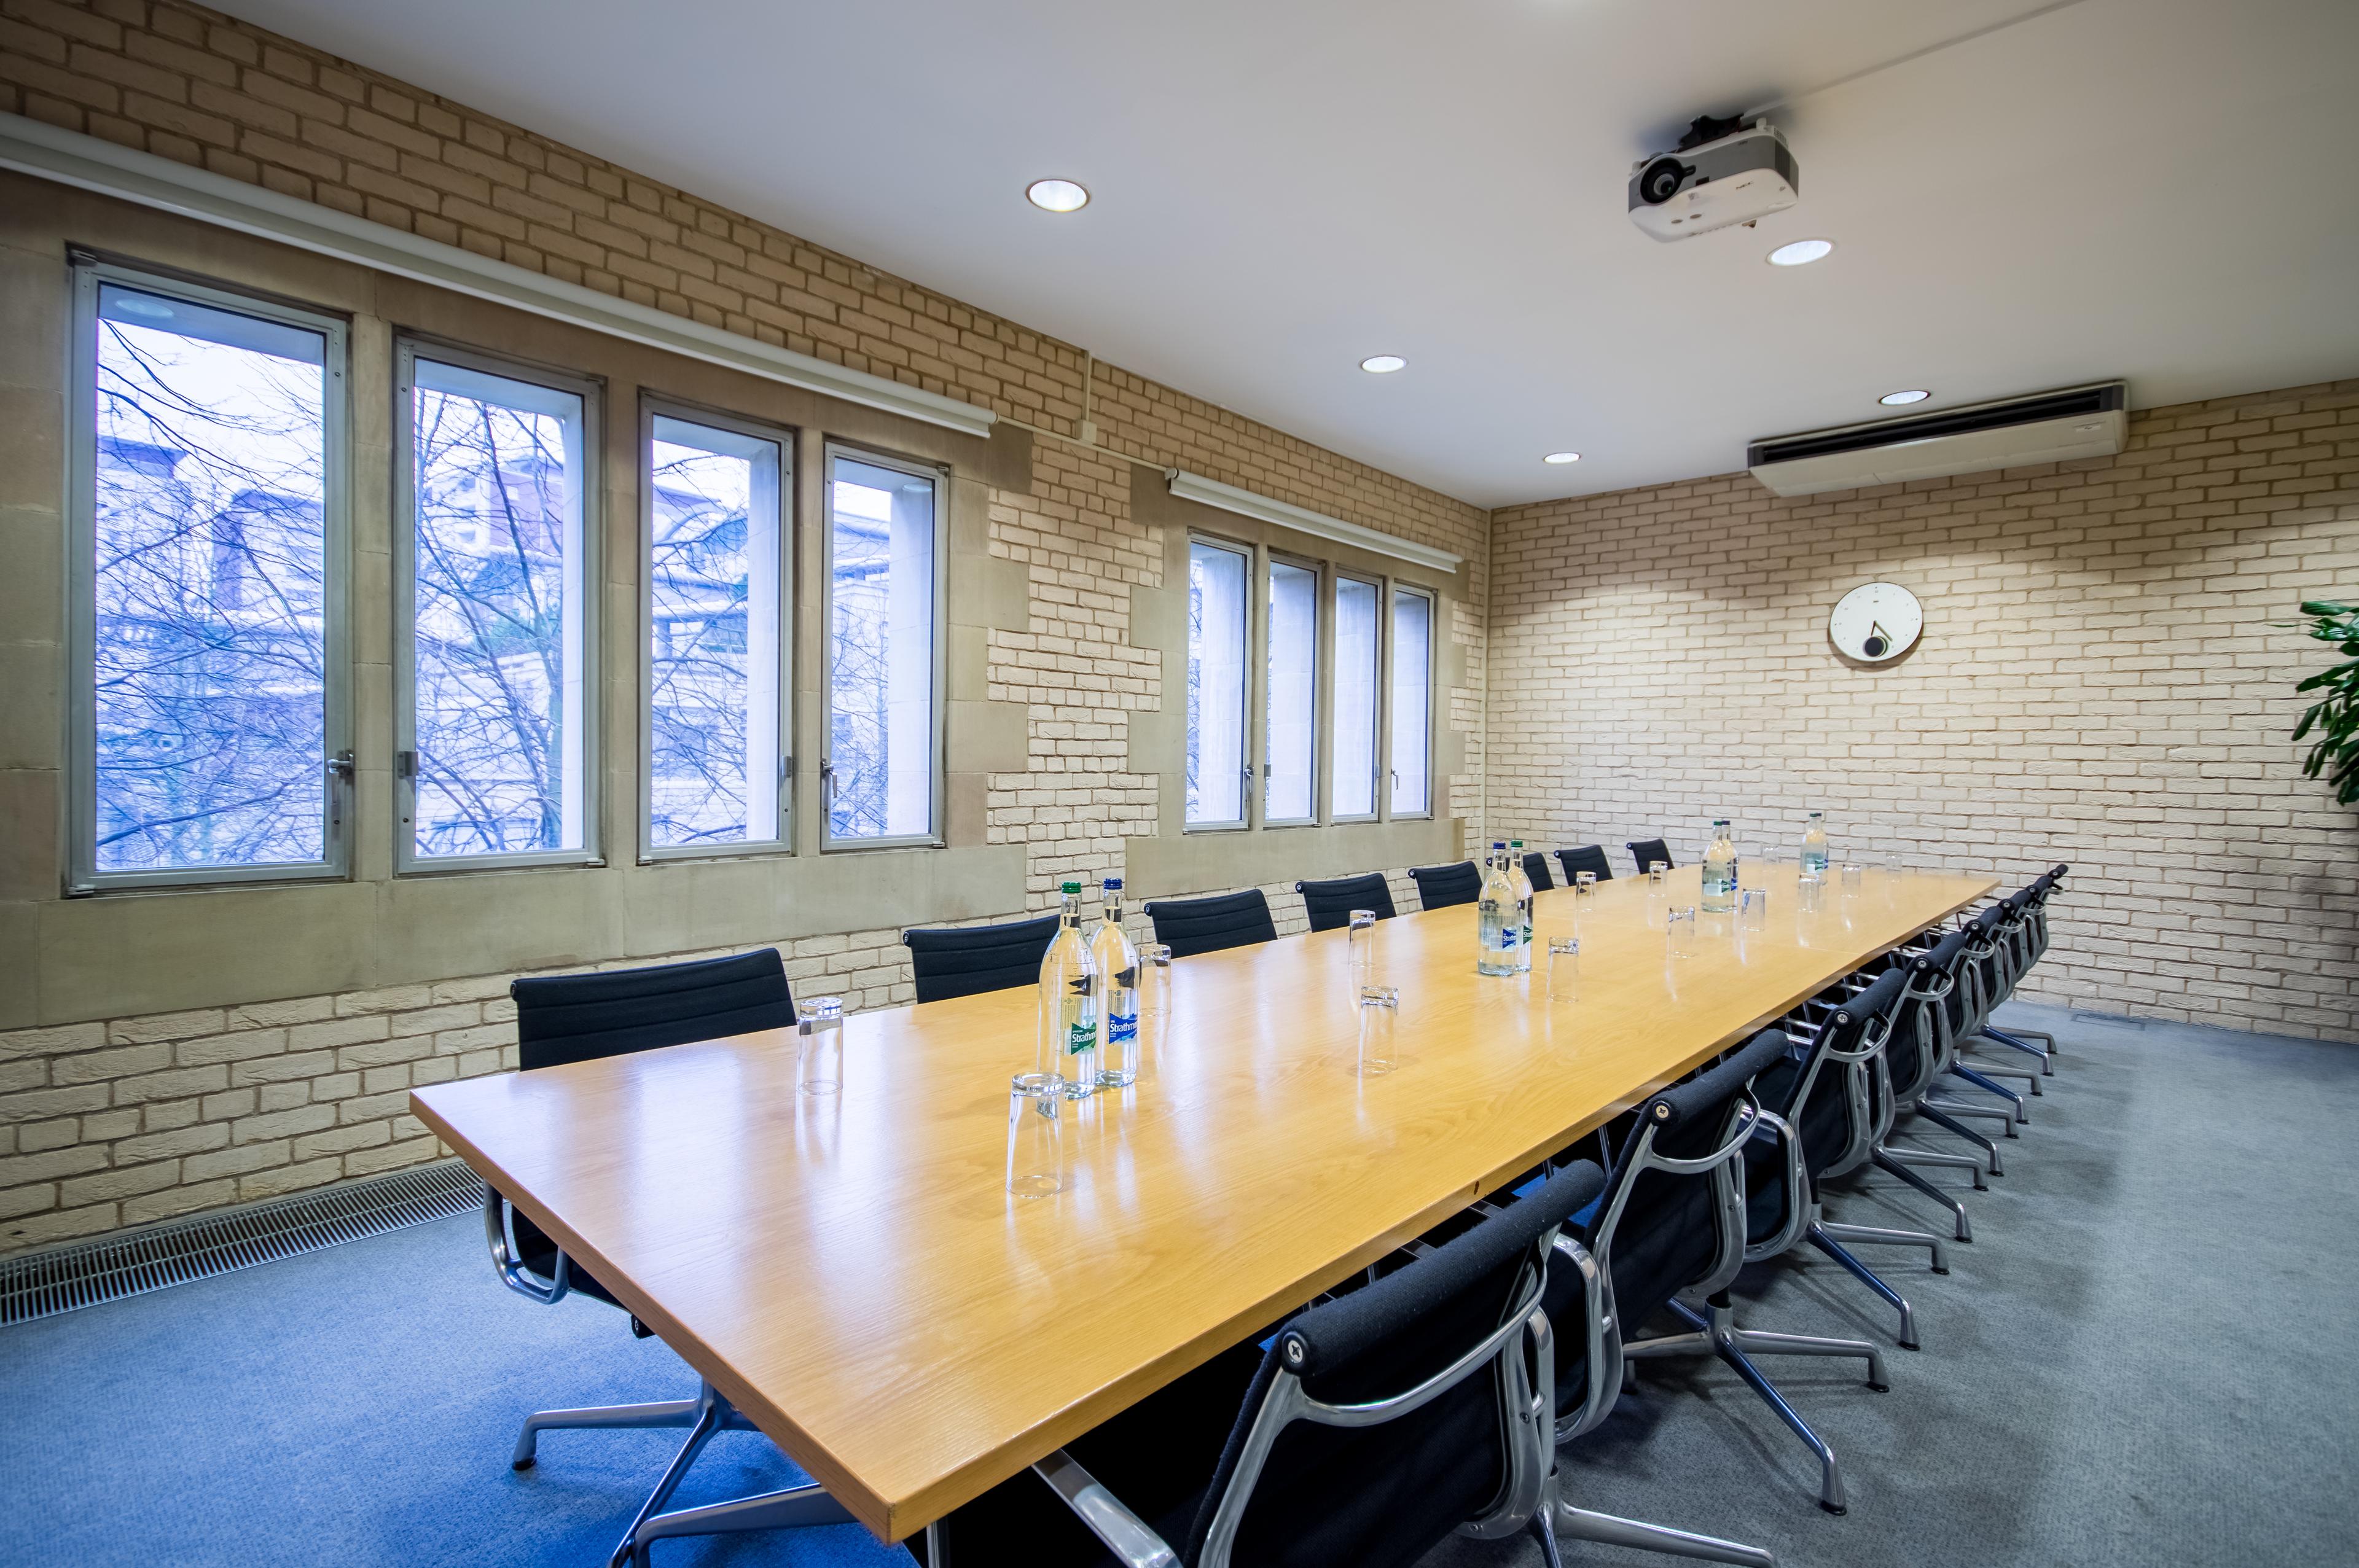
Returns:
<point x="1601" y="1344"/>
<point x="513" y="1274"/>
<point x="1798" y="1188"/>
<point x="1124" y="1533"/>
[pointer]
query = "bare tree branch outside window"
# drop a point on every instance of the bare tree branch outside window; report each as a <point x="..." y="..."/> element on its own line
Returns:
<point x="210" y="680"/>
<point x="495" y="499"/>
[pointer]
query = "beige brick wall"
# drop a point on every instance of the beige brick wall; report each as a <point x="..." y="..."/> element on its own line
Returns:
<point x="2101" y="681"/>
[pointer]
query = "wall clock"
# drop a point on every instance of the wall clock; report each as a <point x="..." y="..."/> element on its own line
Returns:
<point x="1875" y="622"/>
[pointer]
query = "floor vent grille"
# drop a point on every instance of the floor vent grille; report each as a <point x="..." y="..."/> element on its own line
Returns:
<point x="42" y="1284"/>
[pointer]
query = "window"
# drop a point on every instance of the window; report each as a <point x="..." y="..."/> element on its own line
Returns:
<point x="1290" y="758"/>
<point x="495" y="614"/>
<point x="880" y="780"/>
<point x="208" y="709"/>
<point x="714" y="612"/>
<point x="1359" y="677"/>
<point x="1412" y="702"/>
<point x="1218" y="630"/>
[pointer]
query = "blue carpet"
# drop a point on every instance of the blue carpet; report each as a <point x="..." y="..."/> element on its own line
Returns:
<point x="356" y="1406"/>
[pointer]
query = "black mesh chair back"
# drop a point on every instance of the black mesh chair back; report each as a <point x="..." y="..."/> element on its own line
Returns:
<point x="1589" y="858"/>
<point x="1330" y="904"/>
<point x="1244" y="1460"/>
<point x="1535" y="871"/>
<point x="1923" y="1026"/>
<point x="962" y="961"/>
<point x="1192" y="925"/>
<point x="1821" y="1090"/>
<point x="1658" y="1232"/>
<point x="1439" y="887"/>
<point x="580" y="1017"/>
<point x="1386" y="1494"/>
<point x="1644" y="853"/>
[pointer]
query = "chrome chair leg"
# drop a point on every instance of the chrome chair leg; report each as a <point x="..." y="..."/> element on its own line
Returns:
<point x="713" y="1414"/>
<point x="1992" y="1070"/>
<point x="662" y="1413"/>
<point x="791" y="1509"/>
<point x="1932" y="1112"/>
<point x="2047" y="1067"/>
<point x="1963" y="1226"/>
<point x="1718" y="1335"/>
<point x="1606" y="1529"/>
<point x="1907" y="1337"/>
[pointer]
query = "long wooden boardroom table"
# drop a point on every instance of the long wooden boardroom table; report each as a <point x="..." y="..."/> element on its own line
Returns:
<point x="852" y="1275"/>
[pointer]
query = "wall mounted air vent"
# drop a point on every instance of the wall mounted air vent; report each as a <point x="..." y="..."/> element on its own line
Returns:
<point x="2046" y="427"/>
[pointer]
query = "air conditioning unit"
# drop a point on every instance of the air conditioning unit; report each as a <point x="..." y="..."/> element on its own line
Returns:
<point x="2046" y="427"/>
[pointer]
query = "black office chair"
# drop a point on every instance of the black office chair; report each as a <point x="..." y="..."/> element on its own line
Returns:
<point x="1535" y="871"/>
<point x="1192" y="925"/>
<point x="1647" y="851"/>
<point x="1439" y="887"/>
<point x="1374" y="1425"/>
<point x="962" y="961"/>
<point x="1674" y="1225"/>
<point x="1331" y="903"/>
<point x="563" y="1019"/>
<point x="1917" y="1054"/>
<point x="1589" y="858"/>
<point x="1821" y="1107"/>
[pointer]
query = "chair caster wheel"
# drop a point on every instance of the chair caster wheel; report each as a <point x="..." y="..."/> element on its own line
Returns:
<point x="1940" y="1270"/>
<point x="523" y="1463"/>
<point x="1910" y="1345"/>
<point x="1835" y="1508"/>
<point x="1880" y="1389"/>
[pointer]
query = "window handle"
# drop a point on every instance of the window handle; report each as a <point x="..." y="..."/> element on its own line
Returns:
<point x="826" y="785"/>
<point x="339" y="766"/>
<point x="340" y="780"/>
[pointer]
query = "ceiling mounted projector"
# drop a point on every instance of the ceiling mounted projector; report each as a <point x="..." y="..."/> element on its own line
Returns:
<point x="1723" y="172"/>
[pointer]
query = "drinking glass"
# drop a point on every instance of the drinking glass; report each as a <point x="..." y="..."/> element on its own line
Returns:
<point x="1753" y="909"/>
<point x="1036" y="1135"/>
<point x="1563" y="968"/>
<point x="1379" y="1027"/>
<point x="1360" y="963"/>
<point x="1680" y="926"/>
<point x="1851" y="876"/>
<point x="819" y="1042"/>
<point x="1658" y="889"/>
<point x="1154" y="996"/>
<point x="1807" y="888"/>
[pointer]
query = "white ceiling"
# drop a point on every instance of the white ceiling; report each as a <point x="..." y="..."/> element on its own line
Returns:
<point x="2027" y="194"/>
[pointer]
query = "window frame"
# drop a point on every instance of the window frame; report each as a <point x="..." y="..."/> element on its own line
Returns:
<point x="1322" y="641"/>
<point x="1249" y="737"/>
<point x="1380" y="753"/>
<point x="655" y="405"/>
<point x="338" y="797"/>
<point x="408" y="349"/>
<point x="939" y="474"/>
<point x="1389" y="766"/>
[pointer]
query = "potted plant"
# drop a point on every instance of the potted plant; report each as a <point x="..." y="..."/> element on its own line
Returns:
<point x="2335" y="714"/>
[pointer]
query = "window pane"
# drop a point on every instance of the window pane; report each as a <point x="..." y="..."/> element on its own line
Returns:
<point x="881" y="652"/>
<point x="1217" y="592"/>
<point x="498" y="705"/>
<point x="1293" y="692"/>
<point x="1412" y="703"/>
<point x="712" y="637"/>
<point x="210" y="440"/>
<point x="1355" y="698"/>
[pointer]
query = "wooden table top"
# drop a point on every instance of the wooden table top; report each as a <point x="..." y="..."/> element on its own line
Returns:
<point x="852" y="1275"/>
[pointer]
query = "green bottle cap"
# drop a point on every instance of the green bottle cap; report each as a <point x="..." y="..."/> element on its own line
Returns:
<point x="1072" y="887"/>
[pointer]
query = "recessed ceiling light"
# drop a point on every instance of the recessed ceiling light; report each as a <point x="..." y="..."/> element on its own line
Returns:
<point x="1799" y="253"/>
<point x="1056" y="195"/>
<point x="1561" y="458"/>
<point x="1895" y="399"/>
<point x="1383" y="364"/>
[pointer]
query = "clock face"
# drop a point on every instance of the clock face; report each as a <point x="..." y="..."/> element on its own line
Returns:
<point x="1875" y="623"/>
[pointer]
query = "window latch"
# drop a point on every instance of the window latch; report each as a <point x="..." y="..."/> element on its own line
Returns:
<point x="826" y="783"/>
<point x="339" y="766"/>
<point x="404" y="764"/>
